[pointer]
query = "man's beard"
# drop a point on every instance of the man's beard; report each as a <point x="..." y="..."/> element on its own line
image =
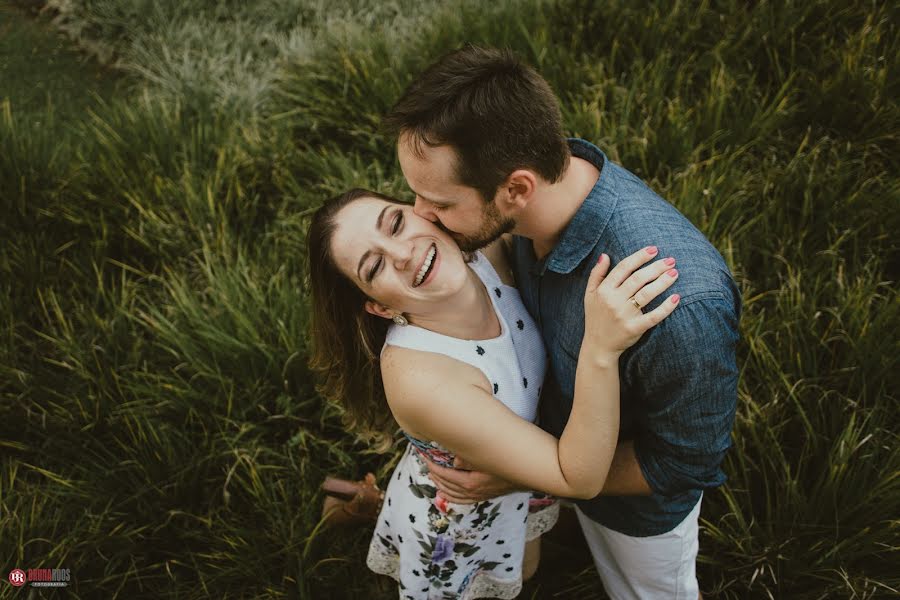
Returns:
<point x="493" y="226"/>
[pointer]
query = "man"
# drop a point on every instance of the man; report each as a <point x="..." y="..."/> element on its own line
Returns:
<point x="480" y="142"/>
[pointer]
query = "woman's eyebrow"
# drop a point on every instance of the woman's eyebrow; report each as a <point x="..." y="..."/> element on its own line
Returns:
<point x="366" y="254"/>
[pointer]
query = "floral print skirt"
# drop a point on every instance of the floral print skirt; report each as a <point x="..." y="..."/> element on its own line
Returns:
<point x="439" y="550"/>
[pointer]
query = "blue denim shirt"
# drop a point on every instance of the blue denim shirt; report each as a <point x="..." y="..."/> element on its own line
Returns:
<point x="678" y="384"/>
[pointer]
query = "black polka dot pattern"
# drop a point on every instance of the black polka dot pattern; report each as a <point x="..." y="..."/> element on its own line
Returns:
<point x="435" y="577"/>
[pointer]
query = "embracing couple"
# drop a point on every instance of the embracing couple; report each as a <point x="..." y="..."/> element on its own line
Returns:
<point x="542" y="327"/>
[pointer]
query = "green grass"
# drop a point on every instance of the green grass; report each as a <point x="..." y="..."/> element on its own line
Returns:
<point x="159" y="431"/>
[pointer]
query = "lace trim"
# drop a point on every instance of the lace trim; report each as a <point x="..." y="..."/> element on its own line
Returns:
<point x="483" y="584"/>
<point x="542" y="521"/>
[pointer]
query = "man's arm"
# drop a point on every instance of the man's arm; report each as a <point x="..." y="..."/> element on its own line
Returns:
<point x="685" y="374"/>
<point x="625" y="477"/>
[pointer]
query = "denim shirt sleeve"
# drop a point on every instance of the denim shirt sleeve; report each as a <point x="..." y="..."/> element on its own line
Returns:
<point x="687" y="375"/>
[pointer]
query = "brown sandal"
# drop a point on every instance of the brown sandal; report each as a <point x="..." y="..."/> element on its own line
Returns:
<point x="351" y="502"/>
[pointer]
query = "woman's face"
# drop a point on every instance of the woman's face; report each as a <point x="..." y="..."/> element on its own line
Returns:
<point x="400" y="260"/>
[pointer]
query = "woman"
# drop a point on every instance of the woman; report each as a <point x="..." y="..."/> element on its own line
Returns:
<point x="408" y="332"/>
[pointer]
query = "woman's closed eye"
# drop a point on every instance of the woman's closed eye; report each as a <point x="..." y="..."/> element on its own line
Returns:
<point x="396" y="226"/>
<point x="373" y="271"/>
<point x="397" y="222"/>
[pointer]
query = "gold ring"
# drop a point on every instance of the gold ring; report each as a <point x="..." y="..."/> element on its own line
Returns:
<point x="635" y="302"/>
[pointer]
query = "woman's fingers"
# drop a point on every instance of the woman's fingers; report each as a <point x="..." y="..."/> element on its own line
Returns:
<point x="645" y="275"/>
<point x="598" y="273"/>
<point x="661" y="283"/>
<point x="629" y="265"/>
<point x="655" y="316"/>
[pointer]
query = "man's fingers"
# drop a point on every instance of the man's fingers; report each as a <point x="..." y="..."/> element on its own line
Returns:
<point x="630" y="264"/>
<point x="457" y="499"/>
<point x="461" y="464"/>
<point x="445" y="483"/>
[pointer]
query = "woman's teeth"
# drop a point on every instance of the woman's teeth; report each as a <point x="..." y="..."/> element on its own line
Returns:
<point x="420" y="276"/>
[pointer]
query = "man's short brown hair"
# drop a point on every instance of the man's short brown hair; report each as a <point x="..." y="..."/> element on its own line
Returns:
<point x="496" y="112"/>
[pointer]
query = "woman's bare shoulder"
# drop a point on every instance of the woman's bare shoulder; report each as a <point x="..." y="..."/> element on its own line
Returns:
<point x="411" y="376"/>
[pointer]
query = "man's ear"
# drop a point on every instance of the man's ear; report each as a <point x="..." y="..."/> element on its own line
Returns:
<point x="517" y="191"/>
<point x="379" y="310"/>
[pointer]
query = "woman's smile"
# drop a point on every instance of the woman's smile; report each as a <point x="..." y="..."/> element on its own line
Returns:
<point x="399" y="259"/>
<point x="425" y="273"/>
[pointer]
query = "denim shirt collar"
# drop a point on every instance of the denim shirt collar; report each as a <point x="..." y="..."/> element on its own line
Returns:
<point x="581" y="235"/>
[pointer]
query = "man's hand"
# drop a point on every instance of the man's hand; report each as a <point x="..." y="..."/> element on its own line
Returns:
<point x="464" y="486"/>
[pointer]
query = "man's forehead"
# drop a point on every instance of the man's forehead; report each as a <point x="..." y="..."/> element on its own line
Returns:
<point x="416" y="152"/>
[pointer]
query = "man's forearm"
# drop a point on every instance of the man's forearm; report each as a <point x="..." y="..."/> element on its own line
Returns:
<point x="625" y="477"/>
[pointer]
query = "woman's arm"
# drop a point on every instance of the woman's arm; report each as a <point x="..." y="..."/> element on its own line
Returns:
<point x="450" y="402"/>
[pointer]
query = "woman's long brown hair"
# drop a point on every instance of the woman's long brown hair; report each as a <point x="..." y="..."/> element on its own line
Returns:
<point x="346" y="340"/>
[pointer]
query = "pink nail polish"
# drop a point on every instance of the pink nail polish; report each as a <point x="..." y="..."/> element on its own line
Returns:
<point x="672" y="272"/>
<point x="651" y="250"/>
<point x="675" y="299"/>
<point x="602" y="256"/>
<point x="669" y="261"/>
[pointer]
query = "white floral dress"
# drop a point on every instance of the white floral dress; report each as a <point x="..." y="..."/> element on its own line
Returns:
<point x="436" y="549"/>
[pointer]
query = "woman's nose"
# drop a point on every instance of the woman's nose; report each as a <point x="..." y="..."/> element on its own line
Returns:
<point x="400" y="252"/>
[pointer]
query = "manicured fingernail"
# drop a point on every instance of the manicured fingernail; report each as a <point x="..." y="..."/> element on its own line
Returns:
<point x="672" y="272"/>
<point x="602" y="256"/>
<point x="651" y="250"/>
<point x="669" y="261"/>
<point x="675" y="298"/>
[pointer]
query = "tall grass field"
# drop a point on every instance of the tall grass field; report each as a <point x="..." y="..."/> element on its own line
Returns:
<point x="160" y="432"/>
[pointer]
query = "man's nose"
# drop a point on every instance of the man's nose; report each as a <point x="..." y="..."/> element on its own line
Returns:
<point x="423" y="209"/>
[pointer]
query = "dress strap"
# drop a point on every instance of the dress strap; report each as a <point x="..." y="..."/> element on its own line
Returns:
<point x="485" y="270"/>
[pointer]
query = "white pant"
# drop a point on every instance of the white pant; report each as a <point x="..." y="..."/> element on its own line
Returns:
<point x="646" y="568"/>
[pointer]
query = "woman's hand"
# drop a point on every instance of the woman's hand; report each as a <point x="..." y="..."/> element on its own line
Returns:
<point x="613" y="319"/>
